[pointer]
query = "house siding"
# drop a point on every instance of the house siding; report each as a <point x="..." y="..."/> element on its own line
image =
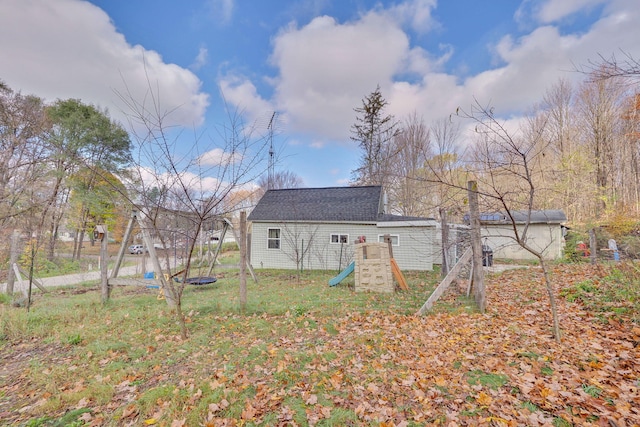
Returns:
<point x="415" y="250"/>
<point x="541" y="237"/>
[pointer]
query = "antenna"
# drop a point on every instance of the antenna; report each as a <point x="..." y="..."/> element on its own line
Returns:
<point x="270" y="171"/>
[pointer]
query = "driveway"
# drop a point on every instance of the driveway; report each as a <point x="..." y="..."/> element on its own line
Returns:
<point x="71" y="279"/>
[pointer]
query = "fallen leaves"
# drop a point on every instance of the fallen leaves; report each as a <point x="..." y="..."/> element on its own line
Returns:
<point x="502" y="368"/>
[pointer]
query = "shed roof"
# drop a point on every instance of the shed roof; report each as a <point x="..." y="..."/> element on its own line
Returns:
<point x="549" y="216"/>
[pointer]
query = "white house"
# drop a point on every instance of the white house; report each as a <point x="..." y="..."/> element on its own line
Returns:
<point x="319" y="226"/>
<point x="545" y="233"/>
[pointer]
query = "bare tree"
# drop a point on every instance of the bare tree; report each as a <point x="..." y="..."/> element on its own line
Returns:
<point x="631" y="132"/>
<point x="196" y="180"/>
<point x="558" y="103"/>
<point x="566" y="154"/>
<point x="411" y="148"/>
<point x="422" y="157"/>
<point x="625" y="66"/>
<point x="446" y="165"/>
<point x="280" y="180"/>
<point x="600" y="113"/>
<point x="508" y="169"/>
<point x="297" y="241"/>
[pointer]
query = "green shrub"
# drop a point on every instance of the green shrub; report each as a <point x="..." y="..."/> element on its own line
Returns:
<point x="630" y="246"/>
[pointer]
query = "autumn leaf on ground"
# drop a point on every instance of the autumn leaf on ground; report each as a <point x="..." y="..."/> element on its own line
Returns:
<point x="484" y="399"/>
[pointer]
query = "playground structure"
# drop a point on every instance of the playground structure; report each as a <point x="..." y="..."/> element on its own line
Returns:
<point x="158" y="279"/>
<point x="374" y="268"/>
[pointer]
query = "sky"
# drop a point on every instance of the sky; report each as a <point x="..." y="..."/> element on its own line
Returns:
<point x="309" y="61"/>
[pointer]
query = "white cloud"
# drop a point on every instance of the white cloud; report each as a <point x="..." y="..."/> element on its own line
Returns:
<point x="85" y="57"/>
<point x="201" y="185"/>
<point x="201" y="59"/>
<point x="218" y="157"/>
<point x="548" y="11"/>
<point x="222" y="10"/>
<point x="241" y="92"/>
<point x="318" y="144"/>
<point x="325" y="68"/>
<point x="417" y="14"/>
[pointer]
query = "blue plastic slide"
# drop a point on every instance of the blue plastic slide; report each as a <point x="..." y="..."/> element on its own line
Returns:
<point x="344" y="273"/>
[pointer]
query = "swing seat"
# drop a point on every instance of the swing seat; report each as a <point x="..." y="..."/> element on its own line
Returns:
<point x="198" y="280"/>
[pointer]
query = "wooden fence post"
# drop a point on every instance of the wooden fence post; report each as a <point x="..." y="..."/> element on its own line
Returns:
<point x="476" y="246"/>
<point x="104" y="262"/>
<point x="593" y="246"/>
<point x="445" y="242"/>
<point x="243" y="260"/>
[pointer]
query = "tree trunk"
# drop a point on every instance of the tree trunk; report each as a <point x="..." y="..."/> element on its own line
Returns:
<point x="184" y="332"/>
<point x="80" y="241"/>
<point x="80" y="234"/>
<point x="13" y="258"/>
<point x="552" y="299"/>
<point x="53" y="235"/>
<point x="75" y="244"/>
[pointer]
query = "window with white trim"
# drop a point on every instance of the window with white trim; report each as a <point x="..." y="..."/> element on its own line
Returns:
<point x="273" y="238"/>
<point x="395" y="239"/>
<point x="339" y="238"/>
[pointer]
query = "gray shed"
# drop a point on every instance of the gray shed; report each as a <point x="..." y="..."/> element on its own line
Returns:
<point x="545" y="233"/>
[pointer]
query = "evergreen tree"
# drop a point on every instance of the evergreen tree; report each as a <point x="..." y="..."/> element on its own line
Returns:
<point x="374" y="132"/>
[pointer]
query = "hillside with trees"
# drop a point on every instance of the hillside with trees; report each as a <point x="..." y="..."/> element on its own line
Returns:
<point x="586" y="137"/>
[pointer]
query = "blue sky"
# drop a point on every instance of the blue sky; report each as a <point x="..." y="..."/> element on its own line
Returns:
<point x="312" y="61"/>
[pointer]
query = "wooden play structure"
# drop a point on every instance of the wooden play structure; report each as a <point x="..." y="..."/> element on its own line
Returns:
<point x="374" y="268"/>
<point x="159" y="279"/>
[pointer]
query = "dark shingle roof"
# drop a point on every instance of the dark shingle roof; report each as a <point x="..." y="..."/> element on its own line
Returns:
<point x="351" y="204"/>
<point x="550" y="215"/>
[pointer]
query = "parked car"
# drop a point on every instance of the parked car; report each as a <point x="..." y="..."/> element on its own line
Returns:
<point x="136" y="249"/>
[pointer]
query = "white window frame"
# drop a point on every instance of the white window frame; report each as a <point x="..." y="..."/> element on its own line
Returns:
<point x="278" y="239"/>
<point x="340" y="235"/>
<point x="397" y="236"/>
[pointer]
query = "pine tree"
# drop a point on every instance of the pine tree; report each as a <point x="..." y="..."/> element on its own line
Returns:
<point x="374" y="133"/>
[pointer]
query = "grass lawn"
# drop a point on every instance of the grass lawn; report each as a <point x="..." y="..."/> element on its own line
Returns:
<point x="304" y="353"/>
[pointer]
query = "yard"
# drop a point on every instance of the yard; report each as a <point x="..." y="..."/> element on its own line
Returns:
<point x="307" y="354"/>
